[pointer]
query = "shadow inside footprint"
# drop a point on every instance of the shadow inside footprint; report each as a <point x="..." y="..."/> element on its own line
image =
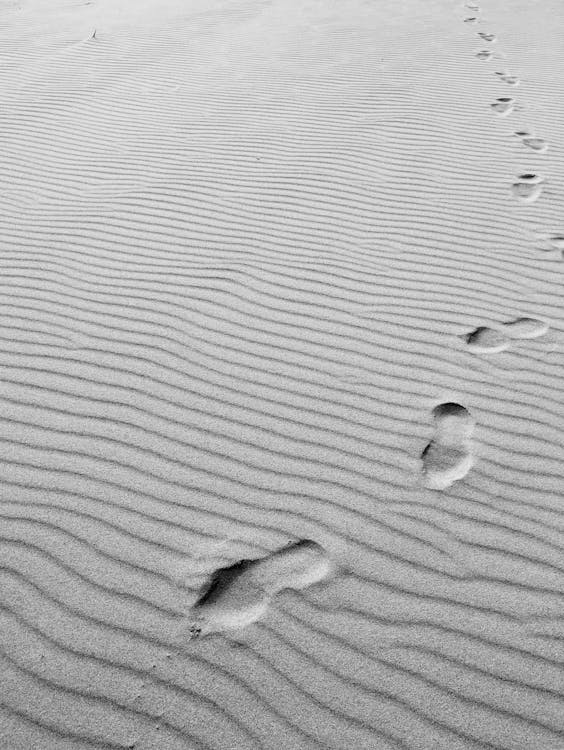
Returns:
<point x="484" y="340"/>
<point x="240" y="594"/>
<point x="527" y="188"/>
<point x="536" y="144"/>
<point x="449" y="455"/>
<point x="484" y="54"/>
<point x="557" y="241"/>
<point x="487" y="37"/>
<point x="503" y="106"/>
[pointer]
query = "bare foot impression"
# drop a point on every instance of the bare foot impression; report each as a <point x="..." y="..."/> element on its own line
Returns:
<point x="526" y="328"/>
<point x="536" y="144"/>
<point x="503" y="106"/>
<point x="487" y="37"/>
<point x="557" y="241"/>
<point x="473" y="19"/>
<point x="449" y="455"/>
<point x="485" y="54"/>
<point x="527" y="188"/>
<point x="486" y="340"/>
<point x="508" y="78"/>
<point x="241" y="594"/>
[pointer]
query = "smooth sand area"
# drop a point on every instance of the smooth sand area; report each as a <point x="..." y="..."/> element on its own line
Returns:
<point x="281" y="375"/>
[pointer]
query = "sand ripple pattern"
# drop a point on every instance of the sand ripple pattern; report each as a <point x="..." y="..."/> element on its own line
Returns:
<point x="246" y="249"/>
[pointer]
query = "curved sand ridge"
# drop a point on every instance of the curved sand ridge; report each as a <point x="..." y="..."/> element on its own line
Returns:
<point x="246" y="250"/>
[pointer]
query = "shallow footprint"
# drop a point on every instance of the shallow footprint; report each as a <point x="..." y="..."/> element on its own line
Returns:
<point x="240" y="595"/>
<point x="503" y="106"/>
<point x="526" y="328"/>
<point x="473" y="19"/>
<point x="537" y="144"/>
<point x="557" y="241"/>
<point x="487" y="37"/>
<point x="484" y="54"/>
<point x="449" y="455"/>
<point x="484" y="340"/>
<point x="528" y="188"/>
<point x="508" y="78"/>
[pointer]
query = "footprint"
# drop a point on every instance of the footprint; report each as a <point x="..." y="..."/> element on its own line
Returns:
<point x="508" y="78"/>
<point x="471" y="20"/>
<point x="485" y="54"/>
<point x="503" y="106"/>
<point x="528" y="188"/>
<point x="557" y="241"/>
<point x="486" y="340"/>
<point x="537" y="144"/>
<point x="241" y="594"/>
<point x="487" y="37"/>
<point x="472" y="6"/>
<point x="526" y="328"/>
<point x="449" y="455"/>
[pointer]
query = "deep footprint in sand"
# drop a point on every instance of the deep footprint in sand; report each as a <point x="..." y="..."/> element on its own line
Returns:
<point x="484" y="54"/>
<point x="487" y="37"/>
<point x="528" y="187"/>
<point x="449" y="456"/>
<point x="486" y="340"/>
<point x="241" y="594"/>
<point x="503" y="106"/>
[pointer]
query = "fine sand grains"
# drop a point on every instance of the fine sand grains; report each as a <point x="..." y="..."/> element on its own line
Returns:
<point x="246" y="246"/>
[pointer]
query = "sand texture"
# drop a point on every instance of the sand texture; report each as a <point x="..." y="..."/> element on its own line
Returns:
<point x="281" y="375"/>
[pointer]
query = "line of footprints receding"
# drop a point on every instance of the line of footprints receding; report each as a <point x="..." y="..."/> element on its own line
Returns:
<point x="527" y="187"/>
<point x="241" y="594"/>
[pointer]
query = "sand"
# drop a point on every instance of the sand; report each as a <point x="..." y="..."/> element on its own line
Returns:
<point x="281" y="393"/>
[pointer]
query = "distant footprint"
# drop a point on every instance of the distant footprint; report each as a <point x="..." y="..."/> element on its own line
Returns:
<point x="557" y="241"/>
<point x="449" y="455"/>
<point x="535" y="143"/>
<point x="241" y="594"/>
<point x="507" y="78"/>
<point x="503" y="106"/>
<point x="528" y="187"/>
<point x="487" y="37"/>
<point x="473" y="19"/>
<point x="485" y="54"/>
<point x="472" y="6"/>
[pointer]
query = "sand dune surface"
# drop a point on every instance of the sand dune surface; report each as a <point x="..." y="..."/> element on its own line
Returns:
<point x="281" y="375"/>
